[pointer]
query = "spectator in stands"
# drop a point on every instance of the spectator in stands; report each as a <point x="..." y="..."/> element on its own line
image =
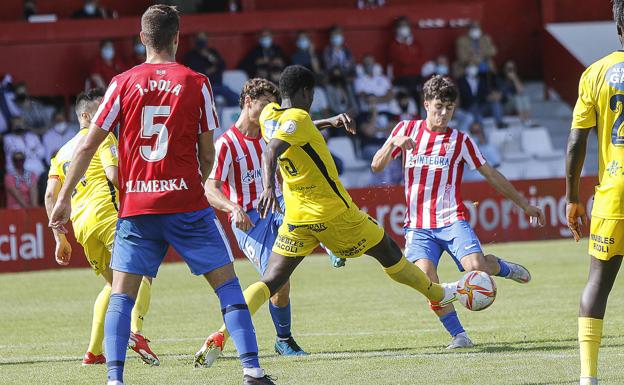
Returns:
<point x="336" y="54"/>
<point x="476" y="47"/>
<point x="30" y="8"/>
<point x="373" y="129"/>
<point x="90" y="10"/>
<point x="489" y="151"/>
<point x="37" y="117"/>
<point x="439" y="66"/>
<point x="513" y="93"/>
<point x="368" y="4"/>
<point x="340" y="94"/>
<point x="478" y="95"/>
<point x="218" y="6"/>
<point x="305" y="54"/>
<point x="106" y="65"/>
<point x="8" y="109"/>
<point x="21" y="139"/>
<point x="263" y="56"/>
<point x="372" y="86"/>
<point x="405" y="57"/>
<point x="20" y="185"/>
<point x="60" y="133"/>
<point x="208" y="61"/>
<point x="138" y="52"/>
<point x="404" y="107"/>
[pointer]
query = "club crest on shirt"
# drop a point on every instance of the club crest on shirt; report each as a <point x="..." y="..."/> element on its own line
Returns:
<point x="251" y="175"/>
<point x="113" y="150"/>
<point x="289" y="126"/>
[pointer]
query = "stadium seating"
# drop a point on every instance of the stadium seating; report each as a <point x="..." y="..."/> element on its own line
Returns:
<point x="234" y="80"/>
<point x="356" y="171"/>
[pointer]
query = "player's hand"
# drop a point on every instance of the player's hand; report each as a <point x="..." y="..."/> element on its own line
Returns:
<point x="268" y="203"/>
<point x="575" y="212"/>
<point x="537" y="213"/>
<point x="343" y="120"/>
<point x="241" y="219"/>
<point x="63" y="251"/>
<point x="60" y="215"/>
<point x="404" y="142"/>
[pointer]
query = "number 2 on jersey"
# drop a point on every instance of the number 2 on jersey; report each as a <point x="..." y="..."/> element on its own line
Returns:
<point x="616" y="138"/>
<point x="149" y="129"/>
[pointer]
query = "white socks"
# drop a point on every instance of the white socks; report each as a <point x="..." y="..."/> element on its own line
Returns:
<point x="253" y="372"/>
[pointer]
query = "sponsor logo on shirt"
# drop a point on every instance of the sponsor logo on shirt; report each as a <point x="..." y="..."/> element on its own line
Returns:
<point x="155" y="185"/>
<point x="251" y="175"/>
<point x="113" y="150"/>
<point x="615" y="76"/>
<point x="416" y="160"/>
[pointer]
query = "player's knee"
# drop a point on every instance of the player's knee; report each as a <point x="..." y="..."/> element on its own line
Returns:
<point x="475" y="262"/>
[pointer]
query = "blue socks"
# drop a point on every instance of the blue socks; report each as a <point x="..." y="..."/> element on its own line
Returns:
<point x="504" y="268"/>
<point x="452" y="324"/>
<point x="116" y="334"/>
<point x="238" y="322"/>
<point x="281" y="319"/>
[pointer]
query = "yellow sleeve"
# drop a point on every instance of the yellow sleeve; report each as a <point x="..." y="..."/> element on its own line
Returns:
<point x="293" y="127"/>
<point x="108" y="151"/>
<point x="55" y="170"/>
<point x="584" y="115"/>
<point x="268" y="124"/>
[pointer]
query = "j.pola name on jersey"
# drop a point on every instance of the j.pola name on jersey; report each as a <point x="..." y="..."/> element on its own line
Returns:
<point x="427" y="160"/>
<point x="155" y="186"/>
<point x="159" y="85"/>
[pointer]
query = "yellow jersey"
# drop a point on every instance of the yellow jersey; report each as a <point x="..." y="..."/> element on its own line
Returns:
<point x="600" y="104"/>
<point x="312" y="191"/>
<point x="95" y="200"/>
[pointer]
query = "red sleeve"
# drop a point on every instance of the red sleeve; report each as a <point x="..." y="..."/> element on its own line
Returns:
<point x="222" y="162"/>
<point x="398" y="130"/>
<point x="208" y="120"/>
<point x="107" y="115"/>
<point x="471" y="154"/>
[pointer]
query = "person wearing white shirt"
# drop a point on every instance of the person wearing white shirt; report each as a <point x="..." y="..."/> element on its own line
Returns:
<point x="372" y="86"/>
<point x="22" y="140"/>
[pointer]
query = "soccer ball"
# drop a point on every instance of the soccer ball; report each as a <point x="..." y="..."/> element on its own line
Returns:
<point x="476" y="290"/>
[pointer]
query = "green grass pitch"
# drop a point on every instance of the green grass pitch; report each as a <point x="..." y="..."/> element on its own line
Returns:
<point x="360" y="327"/>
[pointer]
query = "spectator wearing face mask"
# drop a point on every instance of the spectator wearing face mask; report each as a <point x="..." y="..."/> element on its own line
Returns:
<point x="138" y="52"/>
<point x="36" y="116"/>
<point x="405" y="57"/>
<point x="106" y="66"/>
<point x="208" y="61"/>
<point x="439" y="66"/>
<point x="479" y="95"/>
<point x="336" y="54"/>
<point x="404" y="107"/>
<point x="90" y="10"/>
<point x="264" y="55"/>
<point x="20" y="185"/>
<point x="305" y="54"/>
<point x="372" y="86"/>
<point x="8" y="108"/>
<point x="340" y="94"/>
<point x="516" y="100"/>
<point x="60" y="133"/>
<point x="476" y="47"/>
<point x="20" y="139"/>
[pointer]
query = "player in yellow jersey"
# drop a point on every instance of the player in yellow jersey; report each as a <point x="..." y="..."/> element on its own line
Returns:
<point x="600" y="105"/>
<point x="318" y="208"/>
<point x="94" y="218"/>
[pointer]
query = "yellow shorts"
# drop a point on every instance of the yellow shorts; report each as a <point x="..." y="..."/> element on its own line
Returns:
<point x="99" y="246"/>
<point x="348" y="235"/>
<point x="606" y="238"/>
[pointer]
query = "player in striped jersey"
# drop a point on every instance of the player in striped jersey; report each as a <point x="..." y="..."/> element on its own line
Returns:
<point x="434" y="156"/>
<point x="234" y="186"/>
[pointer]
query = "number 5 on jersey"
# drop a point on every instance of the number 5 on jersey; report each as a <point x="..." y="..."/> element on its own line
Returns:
<point x="154" y="153"/>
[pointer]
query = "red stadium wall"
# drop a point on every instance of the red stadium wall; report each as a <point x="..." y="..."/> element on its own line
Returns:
<point x="27" y="244"/>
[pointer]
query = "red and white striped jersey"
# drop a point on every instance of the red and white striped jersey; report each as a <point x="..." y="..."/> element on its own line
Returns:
<point x="238" y="164"/>
<point x="433" y="173"/>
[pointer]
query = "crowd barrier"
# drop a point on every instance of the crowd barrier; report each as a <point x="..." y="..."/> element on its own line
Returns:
<point x="26" y="243"/>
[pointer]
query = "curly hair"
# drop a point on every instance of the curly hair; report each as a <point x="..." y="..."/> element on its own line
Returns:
<point x="440" y="87"/>
<point x="159" y="25"/>
<point x="618" y="13"/>
<point x="255" y="88"/>
<point x="294" y="78"/>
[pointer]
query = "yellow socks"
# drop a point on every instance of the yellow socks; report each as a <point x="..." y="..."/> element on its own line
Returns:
<point x="255" y="295"/>
<point x="410" y="275"/>
<point x="97" y="327"/>
<point x="589" y="335"/>
<point x="141" y="306"/>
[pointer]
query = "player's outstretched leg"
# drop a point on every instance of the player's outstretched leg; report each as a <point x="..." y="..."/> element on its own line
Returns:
<point x="493" y="265"/>
<point x="279" y="307"/>
<point x="137" y="341"/>
<point x="446" y="314"/>
<point x="388" y="253"/>
<point x="95" y="354"/>
<point x="602" y="275"/>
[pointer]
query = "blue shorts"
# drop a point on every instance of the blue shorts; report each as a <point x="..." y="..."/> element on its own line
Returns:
<point x="257" y="243"/>
<point x="457" y="239"/>
<point x="142" y="241"/>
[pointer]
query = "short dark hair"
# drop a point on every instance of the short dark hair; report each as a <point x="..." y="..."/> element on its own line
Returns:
<point x="86" y="97"/>
<point x="440" y="87"/>
<point x="294" y="78"/>
<point x="618" y="14"/>
<point x="159" y="24"/>
<point x="257" y="87"/>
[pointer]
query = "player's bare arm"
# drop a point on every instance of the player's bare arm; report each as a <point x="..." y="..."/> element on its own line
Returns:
<point x="63" y="249"/>
<point x="80" y="162"/>
<point x="575" y="211"/>
<point x="503" y="186"/>
<point x="341" y="120"/>
<point x="206" y="154"/>
<point x="218" y="200"/>
<point x="383" y="156"/>
<point x="112" y="175"/>
<point x="268" y="201"/>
